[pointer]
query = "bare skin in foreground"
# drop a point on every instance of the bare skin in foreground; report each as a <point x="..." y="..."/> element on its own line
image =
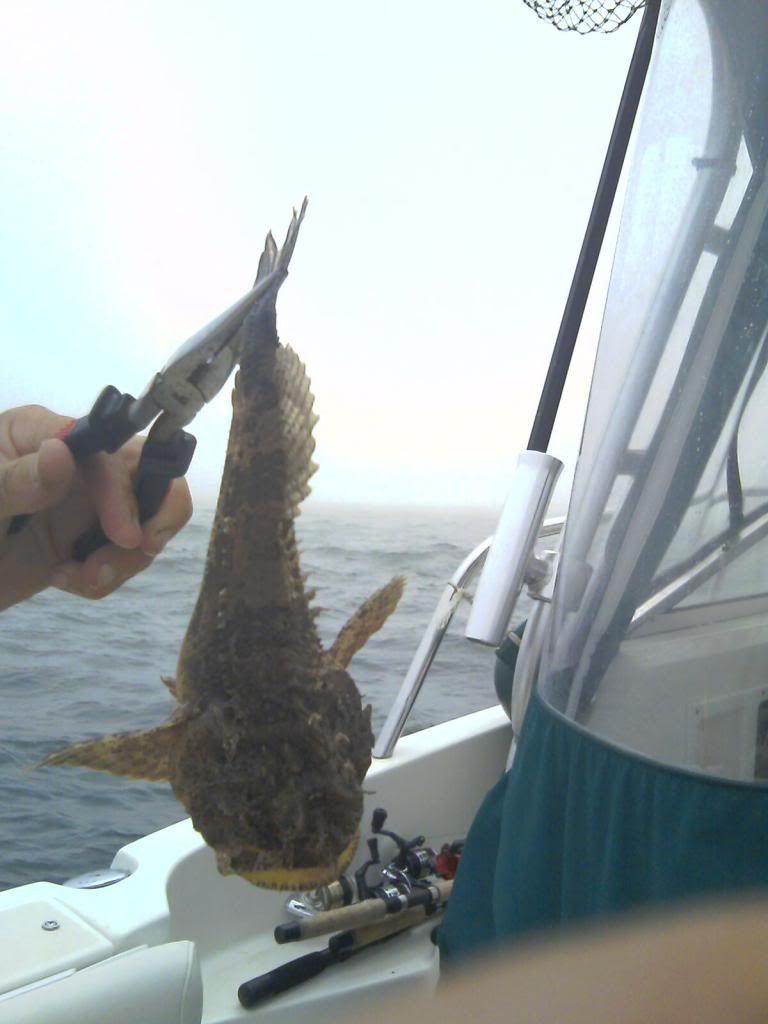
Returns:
<point x="704" y="965"/>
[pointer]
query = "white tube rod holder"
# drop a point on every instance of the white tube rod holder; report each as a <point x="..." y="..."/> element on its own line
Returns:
<point x="503" y="575"/>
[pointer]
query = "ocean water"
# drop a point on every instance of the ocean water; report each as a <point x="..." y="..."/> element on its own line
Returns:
<point x="71" y="669"/>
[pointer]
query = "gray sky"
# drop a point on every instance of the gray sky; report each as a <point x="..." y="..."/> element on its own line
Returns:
<point x="450" y="153"/>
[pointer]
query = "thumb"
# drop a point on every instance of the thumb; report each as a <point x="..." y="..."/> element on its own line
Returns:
<point x="37" y="481"/>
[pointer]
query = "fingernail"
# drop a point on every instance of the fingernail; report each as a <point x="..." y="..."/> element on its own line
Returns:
<point x="60" y="579"/>
<point x="105" y="576"/>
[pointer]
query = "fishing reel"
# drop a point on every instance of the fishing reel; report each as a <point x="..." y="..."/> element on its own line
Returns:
<point x="359" y="911"/>
<point x="412" y="862"/>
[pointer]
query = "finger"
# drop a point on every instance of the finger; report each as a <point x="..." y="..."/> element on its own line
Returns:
<point x="102" y="573"/>
<point x="110" y="566"/>
<point x="38" y="481"/>
<point x="26" y="427"/>
<point x="175" y="512"/>
<point x="110" y="483"/>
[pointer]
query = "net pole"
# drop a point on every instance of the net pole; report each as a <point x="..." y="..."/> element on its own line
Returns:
<point x="584" y="273"/>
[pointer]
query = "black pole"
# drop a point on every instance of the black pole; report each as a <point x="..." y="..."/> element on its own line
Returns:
<point x="595" y="233"/>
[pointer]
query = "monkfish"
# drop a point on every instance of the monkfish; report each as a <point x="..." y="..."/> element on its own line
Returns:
<point x="268" y="744"/>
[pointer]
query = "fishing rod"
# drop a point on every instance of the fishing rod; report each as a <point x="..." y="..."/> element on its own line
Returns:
<point x="427" y="894"/>
<point x="340" y="948"/>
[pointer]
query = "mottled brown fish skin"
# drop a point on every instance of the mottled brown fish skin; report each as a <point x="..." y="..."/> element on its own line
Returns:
<point x="279" y="744"/>
<point x="269" y="744"/>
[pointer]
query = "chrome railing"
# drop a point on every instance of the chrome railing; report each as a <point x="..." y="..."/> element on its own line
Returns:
<point x="454" y="592"/>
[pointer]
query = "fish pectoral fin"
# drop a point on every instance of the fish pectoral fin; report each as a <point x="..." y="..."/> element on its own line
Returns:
<point x="143" y="754"/>
<point x="367" y="620"/>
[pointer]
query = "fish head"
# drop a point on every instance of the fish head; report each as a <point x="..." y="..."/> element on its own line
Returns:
<point x="280" y="877"/>
<point x="280" y="805"/>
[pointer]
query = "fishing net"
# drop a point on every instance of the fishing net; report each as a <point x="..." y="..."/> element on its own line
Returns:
<point x="585" y="15"/>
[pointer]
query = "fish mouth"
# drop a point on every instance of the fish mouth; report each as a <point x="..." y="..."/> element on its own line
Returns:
<point x="305" y="878"/>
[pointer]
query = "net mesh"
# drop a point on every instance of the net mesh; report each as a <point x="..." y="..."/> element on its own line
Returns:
<point x="585" y="15"/>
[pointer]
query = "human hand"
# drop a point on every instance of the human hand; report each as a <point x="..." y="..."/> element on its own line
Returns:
<point x="39" y="475"/>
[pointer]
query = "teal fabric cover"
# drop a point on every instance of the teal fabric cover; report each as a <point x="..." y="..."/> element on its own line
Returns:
<point x="578" y="828"/>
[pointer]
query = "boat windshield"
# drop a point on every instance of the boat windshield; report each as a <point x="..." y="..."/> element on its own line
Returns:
<point x="659" y="638"/>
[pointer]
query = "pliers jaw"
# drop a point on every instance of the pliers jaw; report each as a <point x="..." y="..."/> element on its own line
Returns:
<point x="199" y="369"/>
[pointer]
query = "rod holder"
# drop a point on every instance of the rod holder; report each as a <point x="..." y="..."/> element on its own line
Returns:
<point x="503" y="575"/>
